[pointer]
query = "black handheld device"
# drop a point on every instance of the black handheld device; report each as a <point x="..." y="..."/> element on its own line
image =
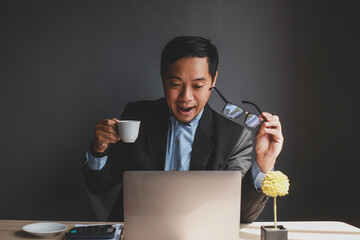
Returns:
<point x="91" y="232"/>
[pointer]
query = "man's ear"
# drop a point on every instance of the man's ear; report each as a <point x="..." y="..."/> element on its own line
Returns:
<point x="214" y="80"/>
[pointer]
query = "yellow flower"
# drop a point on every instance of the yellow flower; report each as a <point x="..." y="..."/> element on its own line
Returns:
<point x="275" y="184"/>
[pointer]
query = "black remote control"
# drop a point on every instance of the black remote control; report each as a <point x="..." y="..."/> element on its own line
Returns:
<point x="91" y="232"/>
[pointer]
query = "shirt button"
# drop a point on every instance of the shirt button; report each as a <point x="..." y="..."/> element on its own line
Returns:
<point x="176" y="142"/>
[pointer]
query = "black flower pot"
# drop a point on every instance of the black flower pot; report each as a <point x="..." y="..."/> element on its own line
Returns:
<point x="269" y="233"/>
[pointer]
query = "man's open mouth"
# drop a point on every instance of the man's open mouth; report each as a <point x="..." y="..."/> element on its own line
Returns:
<point x="185" y="109"/>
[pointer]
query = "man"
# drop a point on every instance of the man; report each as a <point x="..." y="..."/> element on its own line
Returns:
<point x="181" y="132"/>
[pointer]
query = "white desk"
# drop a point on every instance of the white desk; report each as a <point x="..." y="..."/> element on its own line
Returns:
<point x="305" y="230"/>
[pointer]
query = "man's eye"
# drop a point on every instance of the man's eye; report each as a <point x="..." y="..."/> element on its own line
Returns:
<point x="199" y="86"/>
<point x="174" y="84"/>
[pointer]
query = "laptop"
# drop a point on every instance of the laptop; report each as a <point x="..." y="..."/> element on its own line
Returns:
<point x="190" y="205"/>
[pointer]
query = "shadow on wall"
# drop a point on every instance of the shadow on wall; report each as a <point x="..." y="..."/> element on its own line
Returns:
<point x="103" y="204"/>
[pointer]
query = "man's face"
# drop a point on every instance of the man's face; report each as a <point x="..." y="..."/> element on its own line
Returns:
<point x="186" y="86"/>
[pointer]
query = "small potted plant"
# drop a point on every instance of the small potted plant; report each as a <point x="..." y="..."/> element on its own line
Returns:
<point x="275" y="184"/>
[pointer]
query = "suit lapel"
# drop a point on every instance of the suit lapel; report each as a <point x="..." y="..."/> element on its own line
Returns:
<point x="203" y="142"/>
<point x="158" y="129"/>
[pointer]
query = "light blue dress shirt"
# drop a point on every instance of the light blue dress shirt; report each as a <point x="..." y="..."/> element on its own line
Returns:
<point x="179" y="143"/>
<point x="178" y="151"/>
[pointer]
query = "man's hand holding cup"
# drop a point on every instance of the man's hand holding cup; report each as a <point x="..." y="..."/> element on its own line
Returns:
<point x="112" y="130"/>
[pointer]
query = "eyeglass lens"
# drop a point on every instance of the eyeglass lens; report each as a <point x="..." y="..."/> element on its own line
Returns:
<point x="232" y="111"/>
<point x="253" y="121"/>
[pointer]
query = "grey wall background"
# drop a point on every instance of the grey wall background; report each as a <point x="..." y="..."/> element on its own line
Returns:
<point x="64" y="65"/>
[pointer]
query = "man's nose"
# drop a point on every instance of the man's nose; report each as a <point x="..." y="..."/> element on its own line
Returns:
<point x="186" y="93"/>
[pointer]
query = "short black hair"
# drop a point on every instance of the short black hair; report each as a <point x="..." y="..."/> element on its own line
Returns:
<point x="189" y="46"/>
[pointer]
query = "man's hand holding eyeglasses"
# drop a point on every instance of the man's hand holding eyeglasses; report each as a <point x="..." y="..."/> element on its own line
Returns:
<point x="268" y="142"/>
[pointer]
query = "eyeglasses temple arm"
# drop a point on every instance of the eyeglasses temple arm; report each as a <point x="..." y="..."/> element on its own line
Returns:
<point x="253" y="105"/>
<point x="223" y="98"/>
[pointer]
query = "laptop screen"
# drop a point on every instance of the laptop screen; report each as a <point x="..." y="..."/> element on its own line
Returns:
<point x="182" y="205"/>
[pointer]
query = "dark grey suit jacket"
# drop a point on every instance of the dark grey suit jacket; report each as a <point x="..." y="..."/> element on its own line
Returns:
<point x="219" y="144"/>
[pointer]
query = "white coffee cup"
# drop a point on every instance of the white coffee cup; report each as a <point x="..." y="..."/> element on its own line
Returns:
<point x="128" y="130"/>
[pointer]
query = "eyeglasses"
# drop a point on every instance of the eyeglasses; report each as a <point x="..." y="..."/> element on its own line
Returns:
<point x="233" y="111"/>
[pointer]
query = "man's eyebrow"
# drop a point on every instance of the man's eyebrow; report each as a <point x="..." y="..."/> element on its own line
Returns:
<point x="199" y="79"/>
<point x="175" y="77"/>
<point x="179" y="78"/>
